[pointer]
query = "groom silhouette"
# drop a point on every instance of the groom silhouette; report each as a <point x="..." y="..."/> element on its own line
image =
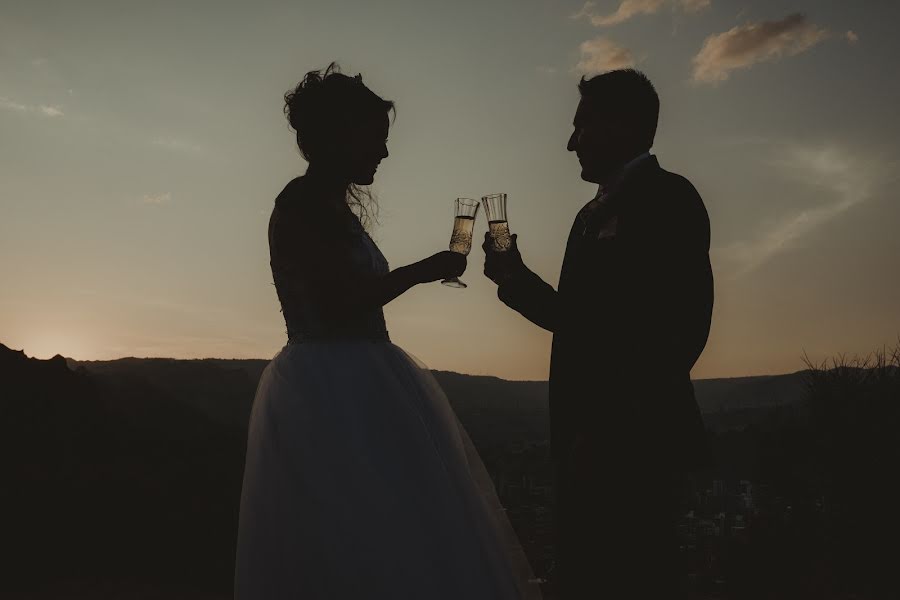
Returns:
<point x="629" y="320"/>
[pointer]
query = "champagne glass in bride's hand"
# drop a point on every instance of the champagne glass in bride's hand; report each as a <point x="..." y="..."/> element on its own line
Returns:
<point x="463" y="226"/>
<point x="495" y="210"/>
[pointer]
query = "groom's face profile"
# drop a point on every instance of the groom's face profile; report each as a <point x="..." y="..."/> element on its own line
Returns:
<point x="599" y="141"/>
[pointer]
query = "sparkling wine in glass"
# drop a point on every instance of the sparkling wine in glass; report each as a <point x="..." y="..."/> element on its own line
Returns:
<point x="461" y="238"/>
<point x="495" y="210"/>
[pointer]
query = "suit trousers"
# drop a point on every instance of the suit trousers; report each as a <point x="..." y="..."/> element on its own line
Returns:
<point x="617" y="528"/>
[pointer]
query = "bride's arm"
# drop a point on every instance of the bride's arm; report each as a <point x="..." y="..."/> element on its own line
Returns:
<point x="344" y="289"/>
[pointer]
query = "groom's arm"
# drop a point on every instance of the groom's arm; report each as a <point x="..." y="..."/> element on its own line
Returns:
<point x="532" y="297"/>
<point x="520" y="288"/>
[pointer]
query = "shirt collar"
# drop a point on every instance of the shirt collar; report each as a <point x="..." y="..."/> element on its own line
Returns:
<point x="623" y="174"/>
<point x="636" y="161"/>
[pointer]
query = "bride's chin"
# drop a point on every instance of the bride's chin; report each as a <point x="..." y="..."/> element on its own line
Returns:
<point x="365" y="179"/>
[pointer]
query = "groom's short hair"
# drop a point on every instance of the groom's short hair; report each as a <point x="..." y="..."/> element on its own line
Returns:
<point x="626" y="93"/>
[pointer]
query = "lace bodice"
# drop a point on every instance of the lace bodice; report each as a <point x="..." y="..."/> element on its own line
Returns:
<point x="313" y="255"/>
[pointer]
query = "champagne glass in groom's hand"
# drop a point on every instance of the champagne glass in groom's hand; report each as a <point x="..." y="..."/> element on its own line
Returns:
<point x="498" y="227"/>
<point x="501" y="255"/>
<point x="461" y="238"/>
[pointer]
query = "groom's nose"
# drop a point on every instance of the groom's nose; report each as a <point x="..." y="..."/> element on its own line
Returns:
<point x="573" y="141"/>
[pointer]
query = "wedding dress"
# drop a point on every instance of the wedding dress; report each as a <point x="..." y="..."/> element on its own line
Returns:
<point x="360" y="482"/>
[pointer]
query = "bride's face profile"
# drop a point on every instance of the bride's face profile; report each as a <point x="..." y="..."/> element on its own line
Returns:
<point x="355" y="153"/>
<point x="366" y="147"/>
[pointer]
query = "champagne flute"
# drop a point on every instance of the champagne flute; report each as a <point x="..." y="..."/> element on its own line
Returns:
<point x="495" y="210"/>
<point x="463" y="226"/>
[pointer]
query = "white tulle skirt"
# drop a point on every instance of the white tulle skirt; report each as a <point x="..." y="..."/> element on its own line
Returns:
<point x="360" y="483"/>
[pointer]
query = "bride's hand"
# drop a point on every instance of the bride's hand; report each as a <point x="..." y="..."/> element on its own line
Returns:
<point x="443" y="265"/>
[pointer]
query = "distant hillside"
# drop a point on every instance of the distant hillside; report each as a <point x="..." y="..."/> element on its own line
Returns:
<point x="112" y="483"/>
<point x="735" y="403"/>
<point x="223" y="389"/>
<point x="122" y="478"/>
<point x="741" y="393"/>
<point x="127" y="473"/>
<point x="220" y="389"/>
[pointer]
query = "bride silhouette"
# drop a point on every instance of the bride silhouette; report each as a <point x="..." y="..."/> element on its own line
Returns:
<point x="359" y="480"/>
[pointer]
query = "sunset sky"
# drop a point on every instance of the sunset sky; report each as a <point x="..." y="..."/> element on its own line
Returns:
<point x="142" y="145"/>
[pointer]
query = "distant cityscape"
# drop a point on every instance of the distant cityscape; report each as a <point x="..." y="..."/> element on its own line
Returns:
<point x="714" y="525"/>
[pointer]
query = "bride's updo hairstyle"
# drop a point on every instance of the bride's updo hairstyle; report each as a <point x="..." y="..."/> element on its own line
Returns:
<point x="332" y="115"/>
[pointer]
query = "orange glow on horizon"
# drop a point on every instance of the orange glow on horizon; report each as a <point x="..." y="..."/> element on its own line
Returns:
<point x="47" y="345"/>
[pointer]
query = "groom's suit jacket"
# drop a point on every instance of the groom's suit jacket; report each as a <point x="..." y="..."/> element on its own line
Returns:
<point x="629" y="320"/>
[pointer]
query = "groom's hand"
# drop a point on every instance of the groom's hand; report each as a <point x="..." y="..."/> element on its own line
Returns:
<point x="500" y="266"/>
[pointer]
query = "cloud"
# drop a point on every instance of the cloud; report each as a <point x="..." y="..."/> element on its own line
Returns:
<point x="50" y="111"/>
<point x="843" y="180"/>
<point x="157" y="199"/>
<point x="10" y="105"/>
<point x="629" y="9"/>
<point x="586" y="11"/>
<point x="602" y="54"/>
<point x="43" y="109"/>
<point x="545" y="70"/>
<point x="692" y="6"/>
<point x="746" y="45"/>
<point x="851" y="36"/>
